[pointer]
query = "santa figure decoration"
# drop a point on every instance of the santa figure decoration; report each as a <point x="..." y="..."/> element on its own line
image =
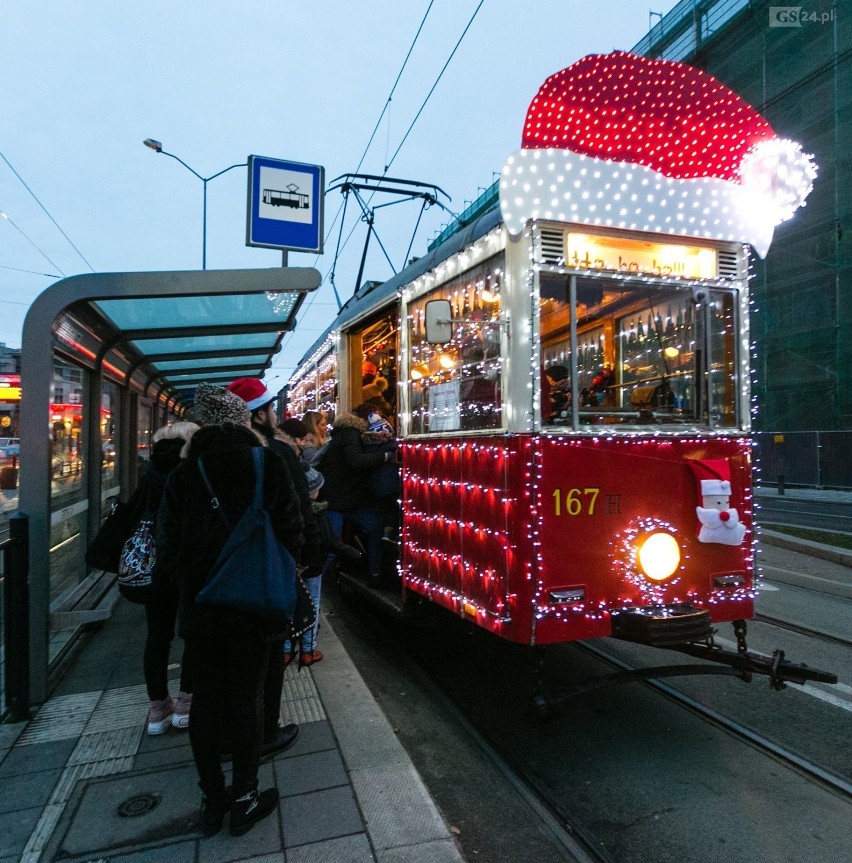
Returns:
<point x="718" y="522"/>
<point x="624" y="141"/>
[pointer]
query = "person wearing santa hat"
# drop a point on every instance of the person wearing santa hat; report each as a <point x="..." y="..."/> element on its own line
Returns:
<point x="719" y="522"/>
<point x="261" y="404"/>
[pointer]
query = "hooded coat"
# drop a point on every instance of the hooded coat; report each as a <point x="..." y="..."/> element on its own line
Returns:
<point x="347" y="463"/>
<point x="190" y="533"/>
<point x="287" y="449"/>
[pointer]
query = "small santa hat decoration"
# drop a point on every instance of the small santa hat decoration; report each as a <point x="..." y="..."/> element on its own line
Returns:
<point x="713" y="476"/>
<point x="252" y="392"/>
<point x="625" y="141"/>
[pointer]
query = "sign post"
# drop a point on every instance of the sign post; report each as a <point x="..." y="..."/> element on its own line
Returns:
<point x="285" y="205"/>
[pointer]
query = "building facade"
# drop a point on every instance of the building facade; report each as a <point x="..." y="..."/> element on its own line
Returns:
<point x="795" y="67"/>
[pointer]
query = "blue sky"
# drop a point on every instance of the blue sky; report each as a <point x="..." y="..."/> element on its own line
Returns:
<point x="85" y="81"/>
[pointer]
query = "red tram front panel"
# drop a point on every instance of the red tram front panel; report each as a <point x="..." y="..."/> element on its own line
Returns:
<point x="535" y="537"/>
<point x="600" y="498"/>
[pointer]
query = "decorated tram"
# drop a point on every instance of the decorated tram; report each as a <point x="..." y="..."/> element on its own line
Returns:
<point x="569" y="371"/>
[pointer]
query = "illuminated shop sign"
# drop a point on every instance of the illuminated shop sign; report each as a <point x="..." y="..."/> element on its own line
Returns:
<point x="667" y="260"/>
<point x="10" y="388"/>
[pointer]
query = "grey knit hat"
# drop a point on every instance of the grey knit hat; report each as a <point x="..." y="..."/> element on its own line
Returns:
<point x="215" y="405"/>
<point x="314" y="479"/>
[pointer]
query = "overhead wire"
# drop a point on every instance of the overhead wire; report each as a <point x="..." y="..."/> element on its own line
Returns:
<point x="408" y="131"/>
<point x="47" y="213"/>
<point x="29" y="239"/>
<point x="341" y="208"/>
<point x="432" y="90"/>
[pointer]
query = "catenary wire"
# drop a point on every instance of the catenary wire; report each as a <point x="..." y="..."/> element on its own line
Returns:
<point x="47" y="213"/>
<point x="364" y="155"/>
<point x="7" y="218"/>
<point x="432" y="90"/>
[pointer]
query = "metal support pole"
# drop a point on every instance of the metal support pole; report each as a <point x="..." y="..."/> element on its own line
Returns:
<point x="204" y="230"/>
<point x="17" y="619"/>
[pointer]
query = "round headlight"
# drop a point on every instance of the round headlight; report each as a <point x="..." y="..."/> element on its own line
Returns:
<point x="659" y="556"/>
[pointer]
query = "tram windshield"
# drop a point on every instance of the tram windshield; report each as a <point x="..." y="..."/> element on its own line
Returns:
<point x="646" y="352"/>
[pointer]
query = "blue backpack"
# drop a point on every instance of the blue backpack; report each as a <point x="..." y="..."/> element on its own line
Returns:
<point x="254" y="572"/>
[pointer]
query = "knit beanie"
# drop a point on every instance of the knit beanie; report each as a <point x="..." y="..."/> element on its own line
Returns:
<point x="215" y="405"/>
<point x="314" y="479"/>
<point x="252" y="392"/>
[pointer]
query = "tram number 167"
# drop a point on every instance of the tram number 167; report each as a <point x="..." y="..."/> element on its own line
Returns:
<point x="575" y="501"/>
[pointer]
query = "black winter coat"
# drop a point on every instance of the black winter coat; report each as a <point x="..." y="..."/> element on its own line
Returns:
<point x="190" y="533"/>
<point x="300" y="484"/>
<point x="346" y="465"/>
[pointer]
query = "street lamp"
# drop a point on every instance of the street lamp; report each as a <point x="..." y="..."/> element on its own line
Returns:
<point x="157" y="147"/>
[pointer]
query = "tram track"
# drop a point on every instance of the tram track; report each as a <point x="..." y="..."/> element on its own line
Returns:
<point x="811" y="771"/>
<point x="573" y="838"/>
<point x="579" y="779"/>
<point x="810" y="631"/>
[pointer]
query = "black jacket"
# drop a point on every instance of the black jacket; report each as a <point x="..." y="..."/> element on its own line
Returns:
<point x="190" y="533"/>
<point x="346" y="465"/>
<point x="300" y="484"/>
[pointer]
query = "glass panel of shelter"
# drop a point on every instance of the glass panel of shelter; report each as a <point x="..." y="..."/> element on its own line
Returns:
<point x="109" y="434"/>
<point x="68" y="502"/>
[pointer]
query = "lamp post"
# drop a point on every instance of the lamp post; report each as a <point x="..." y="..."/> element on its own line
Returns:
<point x="157" y="147"/>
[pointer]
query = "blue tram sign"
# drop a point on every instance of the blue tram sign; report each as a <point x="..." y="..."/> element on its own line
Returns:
<point x="285" y="205"/>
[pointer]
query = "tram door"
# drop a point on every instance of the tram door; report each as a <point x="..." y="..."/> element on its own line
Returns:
<point x="372" y="369"/>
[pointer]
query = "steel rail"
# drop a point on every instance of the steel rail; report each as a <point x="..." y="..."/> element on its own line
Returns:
<point x="804" y="630"/>
<point x="812" y="771"/>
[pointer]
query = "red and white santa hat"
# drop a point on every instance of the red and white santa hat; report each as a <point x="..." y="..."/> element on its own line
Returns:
<point x="713" y="476"/>
<point x="252" y="392"/>
<point x="625" y="141"/>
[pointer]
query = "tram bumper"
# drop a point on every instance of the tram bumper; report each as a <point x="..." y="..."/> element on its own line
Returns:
<point x="662" y="625"/>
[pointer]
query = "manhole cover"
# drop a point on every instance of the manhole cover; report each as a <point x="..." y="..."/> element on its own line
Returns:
<point x="139" y="804"/>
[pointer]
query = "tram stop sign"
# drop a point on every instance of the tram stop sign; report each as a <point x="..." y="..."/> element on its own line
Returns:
<point x="285" y="205"/>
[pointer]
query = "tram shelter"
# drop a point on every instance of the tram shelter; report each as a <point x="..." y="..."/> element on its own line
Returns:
<point x="106" y="359"/>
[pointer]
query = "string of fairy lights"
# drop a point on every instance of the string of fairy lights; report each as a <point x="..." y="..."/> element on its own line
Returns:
<point x="542" y="525"/>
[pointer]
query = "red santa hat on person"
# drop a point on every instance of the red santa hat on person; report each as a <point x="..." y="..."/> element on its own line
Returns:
<point x="252" y="392"/>
<point x="625" y="141"/>
<point x="713" y="476"/>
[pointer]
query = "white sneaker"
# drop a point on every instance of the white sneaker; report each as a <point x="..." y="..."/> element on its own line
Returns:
<point x="159" y="716"/>
<point x="180" y="718"/>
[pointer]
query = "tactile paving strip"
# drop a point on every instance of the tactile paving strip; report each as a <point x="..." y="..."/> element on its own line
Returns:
<point x="61" y="718"/>
<point x="300" y="701"/>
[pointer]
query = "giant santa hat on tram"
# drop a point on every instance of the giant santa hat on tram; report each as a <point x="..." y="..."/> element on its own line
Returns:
<point x="623" y="141"/>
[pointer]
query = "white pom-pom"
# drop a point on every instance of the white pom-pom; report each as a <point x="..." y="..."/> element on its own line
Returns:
<point x="781" y="173"/>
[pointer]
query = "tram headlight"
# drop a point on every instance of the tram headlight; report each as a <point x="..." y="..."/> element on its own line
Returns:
<point x="658" y="556"/>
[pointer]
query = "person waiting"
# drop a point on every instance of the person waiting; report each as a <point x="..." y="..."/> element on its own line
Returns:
<point x="228" y="649"/>
<point x="346" y="465"/>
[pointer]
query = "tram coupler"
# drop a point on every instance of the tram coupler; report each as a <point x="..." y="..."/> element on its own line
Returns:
<point x="779" y="671"/>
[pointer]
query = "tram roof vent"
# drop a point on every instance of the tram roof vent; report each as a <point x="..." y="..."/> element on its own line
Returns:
<point x="552" y="246"/>
<point x="728" y="264"/>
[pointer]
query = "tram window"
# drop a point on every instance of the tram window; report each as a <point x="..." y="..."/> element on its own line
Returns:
<point x="640" y="352"/>
<point x="456" y="386"/>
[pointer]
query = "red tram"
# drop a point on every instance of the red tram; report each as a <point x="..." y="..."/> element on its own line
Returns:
<point x="570" y="372"/>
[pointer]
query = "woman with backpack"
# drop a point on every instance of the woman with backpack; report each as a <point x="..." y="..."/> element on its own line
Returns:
<point x="227" y="648"/>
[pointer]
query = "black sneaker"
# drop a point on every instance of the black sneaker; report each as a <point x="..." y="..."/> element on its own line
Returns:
<point x="250" y="808"/>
